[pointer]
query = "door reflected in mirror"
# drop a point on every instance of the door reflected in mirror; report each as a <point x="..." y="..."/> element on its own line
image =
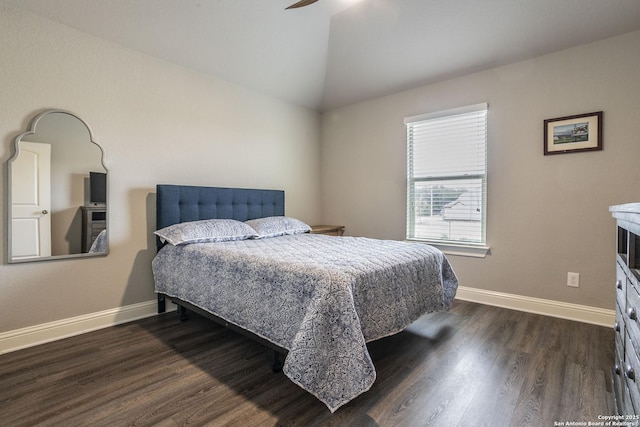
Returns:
<point x="57" y="191"/>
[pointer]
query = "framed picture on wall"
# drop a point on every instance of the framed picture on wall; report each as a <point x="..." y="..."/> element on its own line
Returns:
<point x="571" y="134"/>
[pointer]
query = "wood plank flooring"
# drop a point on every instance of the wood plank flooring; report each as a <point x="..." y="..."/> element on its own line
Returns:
<point x="473" y="366"/>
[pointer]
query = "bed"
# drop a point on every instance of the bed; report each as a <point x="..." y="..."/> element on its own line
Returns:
<point x="315" y="299"/>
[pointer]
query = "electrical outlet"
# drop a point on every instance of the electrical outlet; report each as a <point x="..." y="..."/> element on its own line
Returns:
<point x="573" y="280"/>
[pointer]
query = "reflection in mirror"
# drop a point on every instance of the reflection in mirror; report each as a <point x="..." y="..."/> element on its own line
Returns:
<point x="57" y="191"/>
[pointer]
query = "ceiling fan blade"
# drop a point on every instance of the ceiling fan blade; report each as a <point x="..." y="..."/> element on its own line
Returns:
<point x="301" y="3"/>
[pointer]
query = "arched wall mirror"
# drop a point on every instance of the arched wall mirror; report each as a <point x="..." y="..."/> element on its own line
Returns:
<point x="57" y="191"/>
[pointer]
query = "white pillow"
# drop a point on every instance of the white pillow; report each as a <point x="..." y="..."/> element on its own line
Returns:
<point x="207" y="230"/>
<point x="273" y="226"/>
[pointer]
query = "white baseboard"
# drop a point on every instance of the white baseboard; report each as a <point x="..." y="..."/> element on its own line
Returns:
<point x="563" y="310"/>
<point x="47" y="332"/>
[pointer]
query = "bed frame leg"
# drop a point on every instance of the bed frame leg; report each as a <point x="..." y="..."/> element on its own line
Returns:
<point x="162" y="306"/>
<point x="277" y="362"/>
<point x="184" y="315"/>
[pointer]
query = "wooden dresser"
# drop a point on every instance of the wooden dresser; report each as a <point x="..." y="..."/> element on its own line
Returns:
<point x="626" y="375"/>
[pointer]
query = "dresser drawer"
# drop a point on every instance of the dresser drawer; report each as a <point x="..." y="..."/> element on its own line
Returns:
<point x="631" y="370"/>
<point x="621" y="286"/>
<point x="620" y="329"/>
<point x="628" y="407"/>
<point x="631" y="315"/>
<point x="619" y="385"/>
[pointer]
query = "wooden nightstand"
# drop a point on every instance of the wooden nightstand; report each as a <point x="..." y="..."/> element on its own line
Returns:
<point x="331" y="230"/>
<point x="94" y="220"/>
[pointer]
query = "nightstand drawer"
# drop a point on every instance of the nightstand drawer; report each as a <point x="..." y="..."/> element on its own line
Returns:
<point x="331" y="230"/>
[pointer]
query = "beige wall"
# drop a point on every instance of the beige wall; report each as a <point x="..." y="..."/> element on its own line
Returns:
<point x="158" y="123"/>
<point x="548" y="215"/>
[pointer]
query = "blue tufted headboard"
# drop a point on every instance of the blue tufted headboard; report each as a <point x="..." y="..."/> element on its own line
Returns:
<point x="183" y="203"/>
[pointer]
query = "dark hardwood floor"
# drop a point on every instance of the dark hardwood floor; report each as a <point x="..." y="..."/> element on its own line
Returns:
<point x="473" y="366"/>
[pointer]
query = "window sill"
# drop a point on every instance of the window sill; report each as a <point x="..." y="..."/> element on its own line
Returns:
<point x="475" y="251"/>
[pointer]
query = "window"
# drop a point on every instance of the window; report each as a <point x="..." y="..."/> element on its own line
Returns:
<point x="447" y="176"/>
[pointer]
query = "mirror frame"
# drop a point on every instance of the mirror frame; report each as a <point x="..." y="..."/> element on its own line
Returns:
<point x="16" y="152"/>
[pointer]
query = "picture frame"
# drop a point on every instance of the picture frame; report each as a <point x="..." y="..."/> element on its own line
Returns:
<point x="571" y="134"/>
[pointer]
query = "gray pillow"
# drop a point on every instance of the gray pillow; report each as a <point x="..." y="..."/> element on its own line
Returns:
<point x="207" y="230"/>
<point x="273" y="226"/>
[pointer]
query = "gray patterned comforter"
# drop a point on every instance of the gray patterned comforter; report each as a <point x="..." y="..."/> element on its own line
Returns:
<point x="320" y="297"/>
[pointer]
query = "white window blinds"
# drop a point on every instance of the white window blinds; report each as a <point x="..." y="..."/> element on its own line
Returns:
<point x="447" y="176"/>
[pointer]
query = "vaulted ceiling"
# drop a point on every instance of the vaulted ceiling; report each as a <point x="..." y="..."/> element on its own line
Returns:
<point x="337" y="52"/>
